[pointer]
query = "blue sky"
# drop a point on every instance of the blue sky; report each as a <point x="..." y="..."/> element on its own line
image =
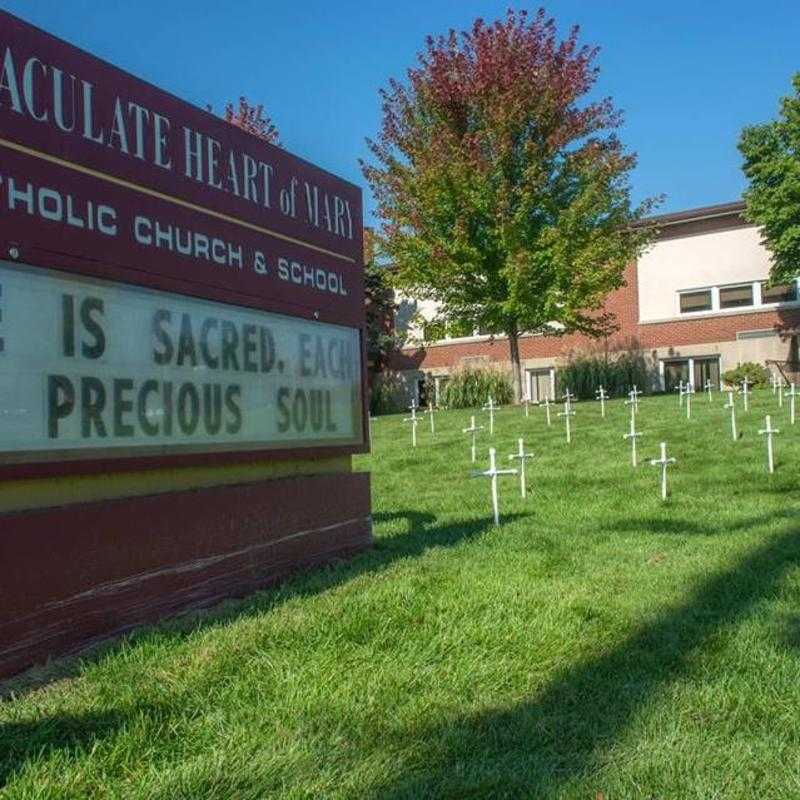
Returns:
<point x="688" y="75"/>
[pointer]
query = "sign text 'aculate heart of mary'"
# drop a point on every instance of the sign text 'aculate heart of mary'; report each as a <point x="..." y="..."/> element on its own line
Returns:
<point x="169" y="283"/>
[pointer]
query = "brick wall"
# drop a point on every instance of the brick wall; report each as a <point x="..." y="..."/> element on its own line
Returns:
<point x="623" y="304"/>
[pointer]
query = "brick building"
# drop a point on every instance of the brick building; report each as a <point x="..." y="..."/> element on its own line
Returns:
<point x="695" y="305"/>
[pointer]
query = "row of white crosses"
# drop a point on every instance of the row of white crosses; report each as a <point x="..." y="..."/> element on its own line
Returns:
<point x="769" y="432"/>
<point x="662" y="462"/>
<point x="685" y="391"/>
<point x="602" y="397"/>
<point x="546" y="403"/>
<point x="633" y="435"/>
<point x="493" y="473"/>
<point x="568" y="397"/>
<point x="414" y="420"/>
<point x="473" y="429"/>
<point x="491" y="408"/>
<point x="745" y="392"/>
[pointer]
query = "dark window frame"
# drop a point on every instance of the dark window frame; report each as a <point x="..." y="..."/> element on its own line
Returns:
<point x="682" y="295"/>
<point x="765" y="288"/>
<point x="724" y="305"/>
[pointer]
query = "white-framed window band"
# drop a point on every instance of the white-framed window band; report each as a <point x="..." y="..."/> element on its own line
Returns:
<point x="735" y="297"/>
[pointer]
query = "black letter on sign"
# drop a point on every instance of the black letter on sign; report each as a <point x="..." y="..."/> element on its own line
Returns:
<point x="283" y="408"/>
<point x="162" y="337"/>
<point x="267" y="349"/>
<point x="93" y="327"/>
<point x="212" y="407"/>
<point x="122" y="405"/>
<point x="186" y="350"/>
<point x="68" y="324"/>
<point x="233" y="395"/>
<point x="93" y="401"/>
<point x="148" y="387"/>
<point x="60" y="401"/>
<point x="188" y="408"/>
<point x="230" y="342"/>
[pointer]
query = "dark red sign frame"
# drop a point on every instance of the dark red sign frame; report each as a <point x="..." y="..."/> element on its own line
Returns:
<point x="71" y="164"/>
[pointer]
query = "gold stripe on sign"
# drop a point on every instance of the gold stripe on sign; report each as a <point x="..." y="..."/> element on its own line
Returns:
<point x="29" y="151"/>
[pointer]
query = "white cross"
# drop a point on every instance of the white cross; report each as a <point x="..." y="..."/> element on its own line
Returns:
<point x="413" y="419"/>
<point x="473" y="429"/>
<point x="490" y="407"/>
<point x="526" y="401"/>
<point x="663" y="462"/>
<point x="568" y="398"/>
<point x="679" y="390"/>
<point x="632" y="435"/>
<point x="688" y="391"/>
<point x="774" y="383"/>
<point x="492" y="473"/>
<point x="792" y="394"/>
<point x="769" y="432"/>
<point x="566" y="413"/>
<point x="602" y="397"/>
<point x="521" y="456"/>
<point x="634" y="395"/>
<point x="430" y="414"/>
<point x="780" y="394"/>
<point x="731" y="404"/>
<point x="708" y="388"/>
<point x="546" y="404"/>
<point x="745" y="391"/>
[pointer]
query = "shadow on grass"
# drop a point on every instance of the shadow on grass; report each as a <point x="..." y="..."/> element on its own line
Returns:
<point x="676" y="525"/>
<point x="536" y="747"/>
<point x="22" y="741"/>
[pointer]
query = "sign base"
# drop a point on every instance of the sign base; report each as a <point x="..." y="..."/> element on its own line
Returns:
<point x="75" y="575"/>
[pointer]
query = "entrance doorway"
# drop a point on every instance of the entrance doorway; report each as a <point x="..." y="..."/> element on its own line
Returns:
<point x="541" y="384"/>
<point x="697" y="369"/>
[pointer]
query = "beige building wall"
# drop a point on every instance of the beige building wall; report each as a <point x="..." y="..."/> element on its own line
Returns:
<point x="697" y="262"/>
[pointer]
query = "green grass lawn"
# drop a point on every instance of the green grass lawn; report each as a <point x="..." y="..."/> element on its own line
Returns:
<point x="599" y="643"/>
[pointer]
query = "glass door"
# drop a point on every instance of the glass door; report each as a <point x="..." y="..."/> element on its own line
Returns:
<point x="675" y="372"/>
<point x="706" y="369"/>
<point x="539" y="385"/>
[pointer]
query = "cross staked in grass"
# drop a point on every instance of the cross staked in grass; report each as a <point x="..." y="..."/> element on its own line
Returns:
<point x="598" y="642"/>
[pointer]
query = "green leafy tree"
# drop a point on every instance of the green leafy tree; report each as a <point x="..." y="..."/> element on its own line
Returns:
<point x="380" y="307"/>
<point x="772" y="165"/>
<point x="503" y="192"/>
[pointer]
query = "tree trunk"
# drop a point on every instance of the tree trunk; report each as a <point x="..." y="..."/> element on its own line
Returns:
<point x="516" y="367"/>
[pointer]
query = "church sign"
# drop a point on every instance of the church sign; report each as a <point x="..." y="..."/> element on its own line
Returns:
<point x="181" y="346"/>
<point x="104" y="177"/>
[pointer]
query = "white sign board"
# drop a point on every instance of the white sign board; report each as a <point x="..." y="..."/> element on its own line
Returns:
<point x="92" y="366"/>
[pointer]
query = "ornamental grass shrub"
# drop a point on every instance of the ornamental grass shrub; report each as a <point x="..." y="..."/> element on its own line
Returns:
<point x="617" y="372"/>
<point x="469" y="387"/>
<point x="387" y="394"/>
<point x="758" y="376"/>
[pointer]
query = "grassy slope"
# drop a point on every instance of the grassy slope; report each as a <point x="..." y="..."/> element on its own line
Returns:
<point x="598" y="641"/>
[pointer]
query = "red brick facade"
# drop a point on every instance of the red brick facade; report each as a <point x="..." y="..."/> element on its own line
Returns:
<point x="624" y="305"/>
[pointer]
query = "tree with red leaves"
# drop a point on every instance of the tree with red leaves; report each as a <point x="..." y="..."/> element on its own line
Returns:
<point x="503" y="192"/>
<point x="251" y="118"/>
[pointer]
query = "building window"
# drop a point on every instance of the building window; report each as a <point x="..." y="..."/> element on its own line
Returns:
<point x="736" y="296"/>
<point x="695" y="301"/>
<point x="696" y="370"/>
<point x="779" y="293"/>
